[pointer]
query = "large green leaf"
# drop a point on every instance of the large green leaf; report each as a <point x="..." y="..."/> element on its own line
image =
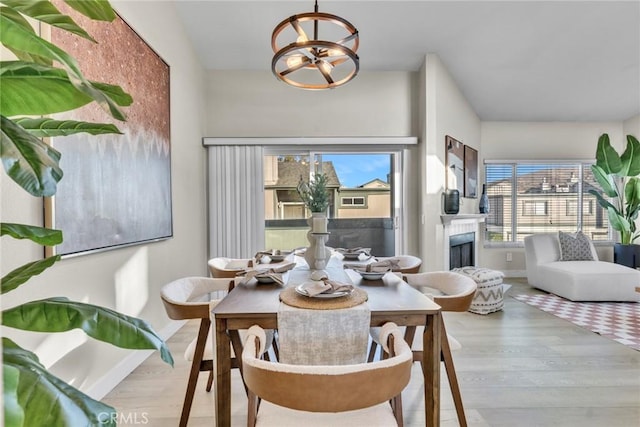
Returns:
<point x="620" y="223"/>
<point x="48" y="401"/>
<point x="45" y="127"/>
<point x="46" y="12"/>
<point x="601" y="200"/>
<point x="35" y="89"/>
<point x="39" y="235"/>
<point x="605" y="181"/>
<point x="631" y="158"/>
<point x="16" y="37"/>
<point x="61" y="314"/>
<point x="606" y="156"/>
<point x="31" y="163"/>
<point x="23" y="273"/>
<point x="13" y="412"/>
<point x="99" y="10"/>
<point x="24" y="56"/>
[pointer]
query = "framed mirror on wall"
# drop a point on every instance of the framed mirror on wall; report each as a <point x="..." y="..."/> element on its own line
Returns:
<point x="470" y="172"/>
<point x="454" y="159"/>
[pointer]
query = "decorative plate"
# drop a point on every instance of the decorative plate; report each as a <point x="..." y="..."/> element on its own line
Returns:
<point x="302" y="291"/>
<point x="371" y="275"/>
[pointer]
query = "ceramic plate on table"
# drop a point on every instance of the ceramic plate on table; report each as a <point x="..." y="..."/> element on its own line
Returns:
<point x="277" y="258"/>
<point x="302" y="291"/>
<point x="371" y="275"/>
<point x="264" y="279"/>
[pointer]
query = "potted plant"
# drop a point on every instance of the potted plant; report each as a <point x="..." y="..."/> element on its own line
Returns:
<point x="314" y="194"/>
<point x="32" y="395"/>
<point x="617" y="175"/>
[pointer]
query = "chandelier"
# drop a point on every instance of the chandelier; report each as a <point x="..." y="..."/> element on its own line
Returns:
<point x="304" y="60"/>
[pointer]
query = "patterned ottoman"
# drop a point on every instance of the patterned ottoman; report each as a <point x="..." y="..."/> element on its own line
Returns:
<point x="489" y="296"/>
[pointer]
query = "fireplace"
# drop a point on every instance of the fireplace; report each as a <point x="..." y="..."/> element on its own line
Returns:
<point x="461" y="250"/>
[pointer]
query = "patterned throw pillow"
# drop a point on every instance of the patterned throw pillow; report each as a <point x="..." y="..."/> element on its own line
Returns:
<point x="574" y="248"/>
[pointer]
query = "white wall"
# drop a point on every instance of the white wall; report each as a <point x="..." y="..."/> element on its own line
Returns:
<point x="145" y="268"/>
<point x="255" y="103"/>
<point x="631" y="126"/>
<point x="443" y="111"/>
<point x="543" y="141"/>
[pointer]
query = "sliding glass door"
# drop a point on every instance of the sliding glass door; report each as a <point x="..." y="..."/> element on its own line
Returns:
<point x="364" y="192"/>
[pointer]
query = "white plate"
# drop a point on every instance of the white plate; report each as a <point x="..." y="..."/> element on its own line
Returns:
<point x="302" y="291"/>
<point x="371" y="275"/>
<point x="277" y="258"/>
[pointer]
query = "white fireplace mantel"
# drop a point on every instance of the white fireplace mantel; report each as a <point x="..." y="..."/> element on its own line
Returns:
<point x="458" y="224"/>
<point x="448" y="219"/>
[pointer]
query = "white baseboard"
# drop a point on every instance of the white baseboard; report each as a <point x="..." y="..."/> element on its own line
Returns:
<point x="115" y="375"/>
<point x="515" y="273"/>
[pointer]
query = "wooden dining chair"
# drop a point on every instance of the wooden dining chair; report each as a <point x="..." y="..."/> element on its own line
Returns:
<point x="189" y="298"/>
<point x="228" y="267"/>
<point x="326" y="395"/>
<point x="452" y="292"/>
<point x="408" y="264"/>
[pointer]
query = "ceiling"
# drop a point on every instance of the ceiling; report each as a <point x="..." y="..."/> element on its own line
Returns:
<point x="513" y="60"/>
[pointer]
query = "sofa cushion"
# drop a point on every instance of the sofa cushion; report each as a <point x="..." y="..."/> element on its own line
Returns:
<point x="574" y="247"/>
<point x="590" y="280"/>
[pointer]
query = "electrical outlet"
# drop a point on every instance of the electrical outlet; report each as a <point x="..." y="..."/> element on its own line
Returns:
<point x="509" y="256"/>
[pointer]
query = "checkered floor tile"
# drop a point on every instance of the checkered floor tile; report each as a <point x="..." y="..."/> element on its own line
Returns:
<point x="619" y="321"/>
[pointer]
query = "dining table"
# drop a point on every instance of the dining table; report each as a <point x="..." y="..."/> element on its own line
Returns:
<point x="390" y="299"/>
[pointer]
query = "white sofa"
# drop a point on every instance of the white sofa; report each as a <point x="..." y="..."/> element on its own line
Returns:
<point x="577" y="280"/>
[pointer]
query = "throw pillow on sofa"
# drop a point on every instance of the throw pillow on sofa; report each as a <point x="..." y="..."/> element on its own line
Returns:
<point x="574" y="247"/>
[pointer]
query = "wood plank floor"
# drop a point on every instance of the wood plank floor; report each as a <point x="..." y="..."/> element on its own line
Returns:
<point x="517" y="367"/>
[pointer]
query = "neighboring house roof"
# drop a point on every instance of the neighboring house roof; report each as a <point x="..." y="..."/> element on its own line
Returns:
<point x="375" y="183"/>
<point x="546" y="181"/>
<point x="289" y="173"/>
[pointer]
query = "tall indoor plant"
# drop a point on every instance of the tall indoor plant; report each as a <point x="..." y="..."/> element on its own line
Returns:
<point x="43" y="80"/>
<point x="617" y="176"/>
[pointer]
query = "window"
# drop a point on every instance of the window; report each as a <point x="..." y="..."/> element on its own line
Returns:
<point x="534" y="208"/>
<point x="540" y="197"/>
<point x="352" y="201"/>
<point x="362" y="198"/>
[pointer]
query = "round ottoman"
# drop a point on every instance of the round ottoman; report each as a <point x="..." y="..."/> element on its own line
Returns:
<point x="489" y="297"/>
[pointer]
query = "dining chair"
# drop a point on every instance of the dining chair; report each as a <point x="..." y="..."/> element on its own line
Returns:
<point x="324" y="395"/>
<point x="408" y="264"/>
<point x="189" y="298"/>
<point x="228" y="267"/>
<point x="452" y="292"/>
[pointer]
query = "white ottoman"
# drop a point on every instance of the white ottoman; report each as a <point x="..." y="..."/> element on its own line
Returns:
<point x="490" y="295"/>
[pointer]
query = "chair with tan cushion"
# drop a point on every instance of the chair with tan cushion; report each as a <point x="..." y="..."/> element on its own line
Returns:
<point x="360" y="394"/>
<point x="228" y="267"/>
<point x="189" y="298"/>
<point x="408" y="264"/>
<point x="453" y="292"/>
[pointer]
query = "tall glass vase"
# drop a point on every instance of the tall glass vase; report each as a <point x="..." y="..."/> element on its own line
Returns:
<point x="483" y="206"/>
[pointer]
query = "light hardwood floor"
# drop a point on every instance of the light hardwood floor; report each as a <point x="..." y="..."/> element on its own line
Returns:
<point x="517" y="367"/>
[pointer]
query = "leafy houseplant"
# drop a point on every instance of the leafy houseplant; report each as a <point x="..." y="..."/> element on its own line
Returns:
<point x="617" y="175"/>
<point x="314" y="194"/>
<point x="32" y="86"/>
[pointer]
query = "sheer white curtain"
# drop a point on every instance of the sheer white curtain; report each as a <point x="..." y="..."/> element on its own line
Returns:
<point x="236" y="200"/>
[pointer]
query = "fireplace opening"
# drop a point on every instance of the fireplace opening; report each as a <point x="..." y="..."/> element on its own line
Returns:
<point x="461" y="250"/>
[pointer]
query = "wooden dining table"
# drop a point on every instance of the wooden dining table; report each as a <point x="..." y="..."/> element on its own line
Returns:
<point x="389" y="300"/>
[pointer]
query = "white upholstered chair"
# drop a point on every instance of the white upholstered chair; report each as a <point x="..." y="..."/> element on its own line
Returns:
<point x="408" y="264"/>
<point x="453" y="292"/>
<point x="363" y="394"/>
<point x="189" y="298"/>
<point x="228" y="267"/>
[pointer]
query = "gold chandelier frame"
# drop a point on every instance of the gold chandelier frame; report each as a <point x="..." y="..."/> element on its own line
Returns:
<point x="295" y="62"/>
